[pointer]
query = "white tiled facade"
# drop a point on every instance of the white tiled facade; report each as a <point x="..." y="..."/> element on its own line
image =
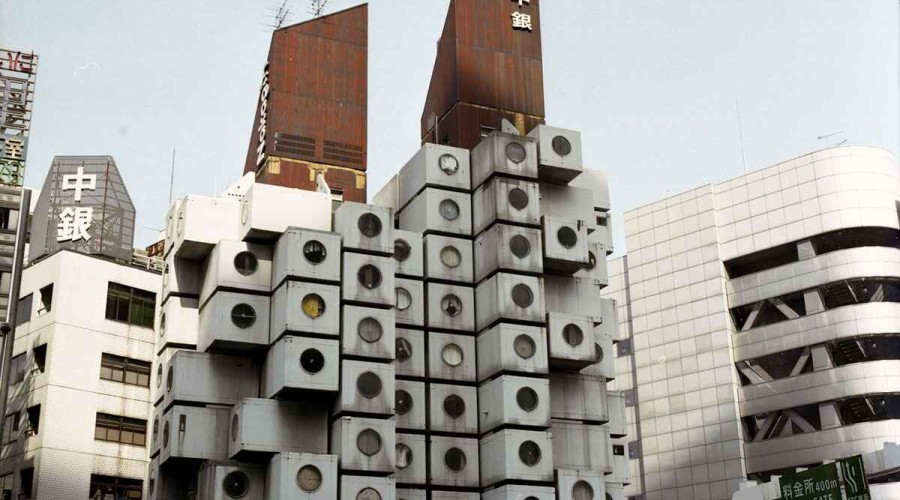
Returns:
<point x="698" y="264"/>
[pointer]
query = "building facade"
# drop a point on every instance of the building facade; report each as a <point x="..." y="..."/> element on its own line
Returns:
<point x="759" y="328"/>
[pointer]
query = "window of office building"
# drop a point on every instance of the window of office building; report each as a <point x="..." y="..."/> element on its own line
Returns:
<point x="6" y="487"/>
<point x="125" y="370"/>
<point x="124" y="430"/>
<point x="130" y="305"/>
<point x="33" y="414"/>
<point x="40" y="358"/>
<point x="115" y="487"/>
<point x="11" y="428"/>
<point x="9" y="218"/>
<point x="23" y="309"/>
<point x="17" y="369"/>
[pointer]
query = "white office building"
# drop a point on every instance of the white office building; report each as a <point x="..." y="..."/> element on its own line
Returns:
<point x="759" y="327"/>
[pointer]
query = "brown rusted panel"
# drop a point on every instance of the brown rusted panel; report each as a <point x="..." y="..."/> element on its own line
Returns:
<point x="463" y="125"/>
<point x="317" y="106"/>
<point x="302" y="175"/>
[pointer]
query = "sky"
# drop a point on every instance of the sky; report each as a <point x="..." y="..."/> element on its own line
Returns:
<point x="654" y="85"/>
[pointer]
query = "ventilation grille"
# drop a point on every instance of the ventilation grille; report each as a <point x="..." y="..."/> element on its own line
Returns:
<point x="347" y="153"/>
<point x="295" y="144"/>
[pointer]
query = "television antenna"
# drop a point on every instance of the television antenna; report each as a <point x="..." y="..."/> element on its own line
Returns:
<point x="316" y="7"/>
<point x="826" y="137"/>
<point x="279" y="15"/>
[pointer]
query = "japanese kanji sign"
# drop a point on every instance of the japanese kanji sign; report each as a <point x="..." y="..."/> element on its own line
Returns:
<point x="854" y="475"/>
<point x="820" y="483"/>
<point x="521" y="20"/>
<point x="17" y="77"/>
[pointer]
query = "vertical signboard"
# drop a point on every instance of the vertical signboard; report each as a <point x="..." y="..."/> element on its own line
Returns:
<point x="820" y="483"/>
<point x="18" y="71"/>
<point x="854" y="475"/>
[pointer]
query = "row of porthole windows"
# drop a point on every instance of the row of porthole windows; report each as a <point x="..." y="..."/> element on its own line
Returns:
<point x="236" y="484"/>
<point x="455" y="458"/>
<point x="523" y="345"/>
<point x="454" y="406"/>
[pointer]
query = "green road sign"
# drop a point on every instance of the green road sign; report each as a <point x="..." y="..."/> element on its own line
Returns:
<point x="820" y="483"/>
<point x="854" y="475"/>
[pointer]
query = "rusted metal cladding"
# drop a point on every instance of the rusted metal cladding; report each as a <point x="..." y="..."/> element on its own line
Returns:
<point x="350" y="183"/>
<point x="484" y="61"/>
<point x="315" y="107"/>
<point x="463" y="125"/>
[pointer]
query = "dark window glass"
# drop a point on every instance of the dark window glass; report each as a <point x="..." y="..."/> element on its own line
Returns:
<point x="17" y="369"/>
<point x="529" y="453"/>
<point x="104" y="487"/>
<point x="515" y="152"/>
<point x="236" y="484"/>
<point x="312" y="360"/>
<point x="403" y="401"/>
<point x="520" y="246"/>
<point x="454" y="406"/>
<point x="369" y="385"/>
<point x="40" y="358"/>
<point x="401" y="250"/>
<point x="369" y="225"/>
<point x="455" y="459"/>
<point x="369" y="276"/>
<point x="623" y="348"/>
<point x="527" y="399"/>
<point x="125" y="370"/>
<point x="117" y="429"/>
<point x="46" y="299"/>
<point x="517" y="198"/>
<point x="561" y="146"/>
<point x="246" y="263"/>
<point x="23" y="309"/>
<point x="402" y="349"/>
<point x="34" y="420"/>
<point x="11" y="427"/>
<point x="522" y="295"/>
<point x="314" y="252"/>
<point x="130" y="305"/>
<point x="243" y="316"/>
<point x="567" y="237"/>
<point x="573" y="335"/>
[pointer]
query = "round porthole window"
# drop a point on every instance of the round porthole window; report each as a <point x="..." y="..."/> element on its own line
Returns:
<point x="598" y="351"/>
<point x="582" y="491"/>
<point x="401" y="250"/>
<point x="368" y="442"/>
<point x="369" y="329"/>
<point x="529" y="453"/>
<point x="243" y="316"/>
<point x="309" y="478"/>
<point x="312" y="361"/>
<point x="246" y="263"/>
<point x="451" y="305"/>
<point x="520" y="246"/>
<point x="403" y="298"/>
<point x="567" y="237"/>
<point x="313" y="305"/>
<point x="369" y="225"/>
<point x="573" y="335"/>
<point x="448" y="164"/>
<point x="449" y="209"/>
<point x="454" y="406"/>
<point x="451" y="257"/>
<point x="403" y="402"/>
<point x="524" y="346"/>
<point x="314" y="252"/>
<point x="561" y="146"/>
<point x="515" y="152"/>
<point x="527" y="399"/>
<point x="517" y="198"/>
<point x="404" y="456"/>
<point x="162" y="324"/>
<point x="236" y="484"/>
<point x="368" y="494"/>
<point x="455" y="459"/>
<point x="522" y="295"/>
<point x="369" y="385"/>
<point x="452" y="355"/>
<point x="402" y="349"/>
<point x="170" y="379"/>
<point x="159" y="375"/>
<point x="166" y="434"/>
<point x="235" y="427"/>
<point x="369" y="276"/>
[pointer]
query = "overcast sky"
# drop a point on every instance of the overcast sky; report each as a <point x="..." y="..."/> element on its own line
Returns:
<point x="652" y="84"/>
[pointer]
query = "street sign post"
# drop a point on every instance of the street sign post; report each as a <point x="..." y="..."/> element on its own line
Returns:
<point x="820" y="483"/>
<point x="854" y="475"/>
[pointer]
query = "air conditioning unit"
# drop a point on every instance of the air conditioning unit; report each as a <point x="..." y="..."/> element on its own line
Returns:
<point x="410" y="405"/>
<point x="604" y="364"/>
<point x="367" y="488"/>
<point x="237" y="266"/>
<point x="202" y="222"/>
<point x="596" y="268"/>
<point x="567" y="202"/>
<point x="559" y="153"/>
<point x="234" y="322"/>
<point x="451" y="357"/>
<point x="454" y="408"/>
<point x="506" y="155"/>
<point x="366" y="388"/>
<point x="617" y="423"/>
<point x="565" y="245"/>
<point x="579" y="485"/>
<point x="364" y="444"/>
<point x="602" y="233"/>
<point x="519" y="492"/>
<point x="368" y="332"/>
<point x="261" y="427"/>
<point x="389" y="196"/>
<point x="230" y="480"/>
<point x="264" y="215"/>
<point x="434" y="165"/>
<point x="508" y="248"/>
<point x="409" y="256"/>
<point x="181" y="278"/>
<point x="518" y="401"/>
<point x="190" y="432"/>
<point x="411" y="494"/>
<point x="615" y="491"/>
<point x="299" y="365"/>
<point x="409" y="353"/>
<point x="409" y="302"/>
<point x="366" y="228"/>
<point x="448" y="259"/>
<point x="450" y="307"/>
<point x="302" y="476"/>
<point x="569" y="295"/>
<point x="202" y="378"/>
<point x="578" y="397"/>
<point x="508" y="347"/>
<point x="516" y="455"/>
<point x="306" y="254"/>
<point x="454" y="462"/>
<point x="510" y="201"/>
<point x="581" y="447"/>
<point x="438" y="211"/>
<point x="299" y="307"/>
<point x="411" y="459"/>
<point x="597" y="181"/>
<point x="570" y="341"/>
<point x="178" y="324"/>
<point x="510" y="297"/>
<point x="368" y="279"/>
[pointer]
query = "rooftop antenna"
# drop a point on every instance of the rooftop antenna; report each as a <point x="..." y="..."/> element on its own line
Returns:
<point x="825" y="138"/>
<point x="316" y="7"/>
<point x="172" y="177"/>
<point x="737" y="107"/>
<point x="279" y="15"/>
